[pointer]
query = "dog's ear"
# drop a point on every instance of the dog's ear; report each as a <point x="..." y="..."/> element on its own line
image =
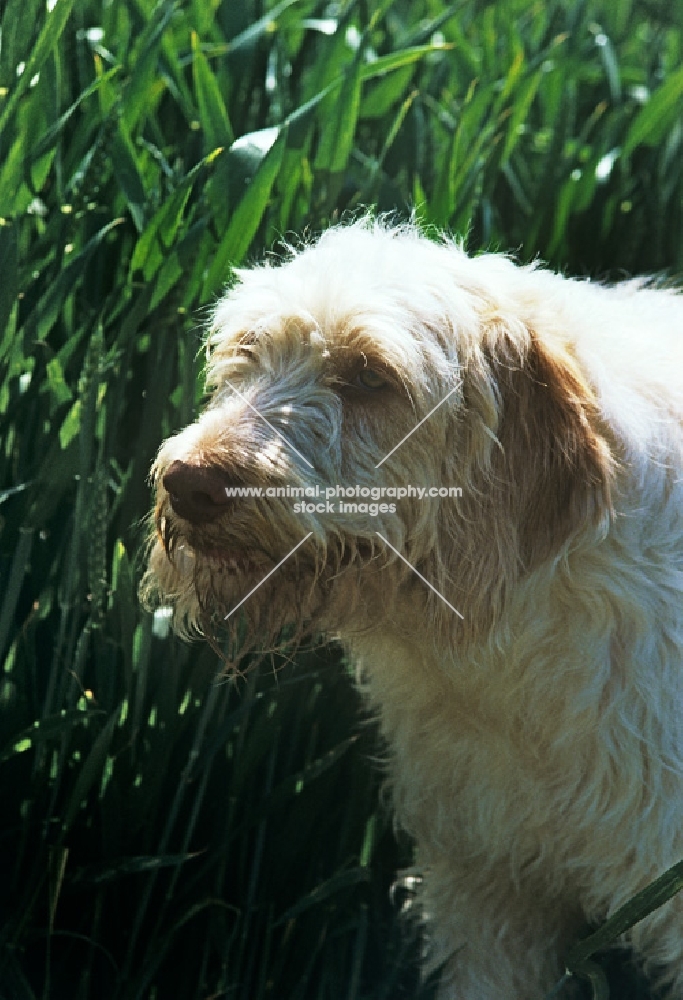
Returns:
<point x="535" y="467"/>
<point x="551" y="456"/>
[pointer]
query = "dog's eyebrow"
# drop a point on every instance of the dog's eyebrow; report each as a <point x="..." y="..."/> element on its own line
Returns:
<point x="359" y="355"/>
<point x="344" y="369"/>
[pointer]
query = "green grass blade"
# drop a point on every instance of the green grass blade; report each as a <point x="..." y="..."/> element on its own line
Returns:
<point x="213" y="114"/>
<point x="89" y="773"/>
<point x="17" y="571"/>
<point x="661" y="112"/>
<point x="47" y="39"/>
<point x="9" y="269"/>
<point x="50" y="728"/>
<point x="246" y="218"/>
<point x="48" y="140"/>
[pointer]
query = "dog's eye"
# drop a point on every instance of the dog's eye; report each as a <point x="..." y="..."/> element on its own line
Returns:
<point x="368" y="378"/>
<point x="245" y="352"/>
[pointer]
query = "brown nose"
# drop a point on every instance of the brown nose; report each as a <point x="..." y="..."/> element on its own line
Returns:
<point x="197" y="493"/>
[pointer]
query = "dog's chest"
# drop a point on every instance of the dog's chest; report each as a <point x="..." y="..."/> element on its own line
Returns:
<point x="465" y="762"/>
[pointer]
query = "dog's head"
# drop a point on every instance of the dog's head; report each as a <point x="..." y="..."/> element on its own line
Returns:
<point x="369" y="363"/>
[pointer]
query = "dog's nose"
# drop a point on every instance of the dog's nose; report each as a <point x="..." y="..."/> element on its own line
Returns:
<point x="197" y="493"/>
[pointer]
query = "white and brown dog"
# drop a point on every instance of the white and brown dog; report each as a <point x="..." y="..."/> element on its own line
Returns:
<point x="536" y="742"/>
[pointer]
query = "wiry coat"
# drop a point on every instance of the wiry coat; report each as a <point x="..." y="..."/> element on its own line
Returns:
<point x="536" y="745"/>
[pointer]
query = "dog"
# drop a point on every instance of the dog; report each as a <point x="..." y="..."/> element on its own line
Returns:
<point x="518" y="625"/>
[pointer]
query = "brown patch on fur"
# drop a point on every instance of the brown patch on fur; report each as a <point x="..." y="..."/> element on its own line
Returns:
<point x="557" y="464"/>
<point x="537" y="470"/>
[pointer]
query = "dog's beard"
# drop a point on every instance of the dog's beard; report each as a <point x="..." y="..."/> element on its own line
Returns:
<point x="254" y="588"/>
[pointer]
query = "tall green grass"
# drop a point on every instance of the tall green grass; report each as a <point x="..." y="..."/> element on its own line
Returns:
<point x="162" y="835"/>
